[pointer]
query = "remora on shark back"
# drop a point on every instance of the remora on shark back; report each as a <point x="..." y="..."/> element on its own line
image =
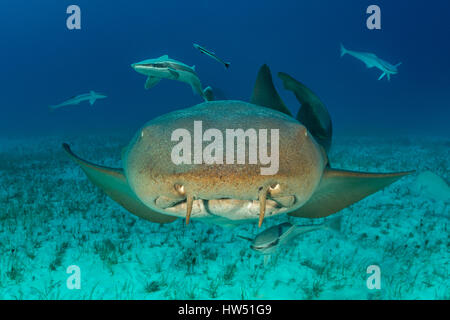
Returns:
<point x="166" y="68"/>
<point x="151" y="186"/>
<point x="211" y="54"/>
<point x="92" y="96"/>
<point x="371" y="60"/>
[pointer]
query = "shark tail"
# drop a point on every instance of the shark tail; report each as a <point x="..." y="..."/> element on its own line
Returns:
<point x="343" y="50"/>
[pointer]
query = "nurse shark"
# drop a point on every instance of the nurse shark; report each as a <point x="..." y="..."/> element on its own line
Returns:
<point x="371" y="60"/>
<point x="151" y="186"/>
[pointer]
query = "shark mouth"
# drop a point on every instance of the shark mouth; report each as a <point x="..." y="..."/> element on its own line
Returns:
<point x="232" y="209"/>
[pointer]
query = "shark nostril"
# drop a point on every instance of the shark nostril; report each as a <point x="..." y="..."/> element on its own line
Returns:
<point x="180" y="189"/>
<point x="274" y="189"/>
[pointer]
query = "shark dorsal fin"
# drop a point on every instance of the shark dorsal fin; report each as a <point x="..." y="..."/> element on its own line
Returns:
<point x="164" y="57"/>
<point x="265" y="94"/>
<point x="193" y="67"/>
<point x="312" y="114"/>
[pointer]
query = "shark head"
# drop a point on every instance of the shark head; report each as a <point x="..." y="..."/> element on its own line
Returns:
<point x="235" y="192"/>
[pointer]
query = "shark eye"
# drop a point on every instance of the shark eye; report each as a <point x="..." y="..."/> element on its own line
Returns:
<point x="180" y="189"/>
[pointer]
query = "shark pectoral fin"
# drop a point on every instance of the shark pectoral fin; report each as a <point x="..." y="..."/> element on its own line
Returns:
<point x="382" y="76"/>
<point x="91" y="101"/>
<point x="265" y="94"/>
<point x="174" y="73"/>
<point x="339" y="189"/>
<point x="114" y="183"/>
<point x="313" y="114"/>
<point x="151" y="82"/>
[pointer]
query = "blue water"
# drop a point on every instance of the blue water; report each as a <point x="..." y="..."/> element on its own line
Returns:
<point x="395" y="125"/>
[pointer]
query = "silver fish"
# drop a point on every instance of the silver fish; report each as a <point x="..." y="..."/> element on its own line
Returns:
<point x="371" y="60"/>
<point x="92" y="96"/>
<point x="268" y="241"/>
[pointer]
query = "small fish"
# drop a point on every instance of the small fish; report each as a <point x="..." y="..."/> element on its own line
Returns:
<point x="211" y="54"/>
<point x="371" y="60"/>
<point x="92" y="96"/>
<point x="268" y="241"/>
<point x="166" y="68"/>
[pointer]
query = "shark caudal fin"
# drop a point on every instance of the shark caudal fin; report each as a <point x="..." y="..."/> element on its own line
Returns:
<point x="343" y="50"/>
<point x="339" y="189"/>
<point x="312" y="114"/>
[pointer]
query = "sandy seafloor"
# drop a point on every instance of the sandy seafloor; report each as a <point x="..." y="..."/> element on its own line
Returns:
<point x="51" y="217"/>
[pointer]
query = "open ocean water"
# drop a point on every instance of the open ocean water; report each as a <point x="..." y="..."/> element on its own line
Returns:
<point x="62" y="237"/>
